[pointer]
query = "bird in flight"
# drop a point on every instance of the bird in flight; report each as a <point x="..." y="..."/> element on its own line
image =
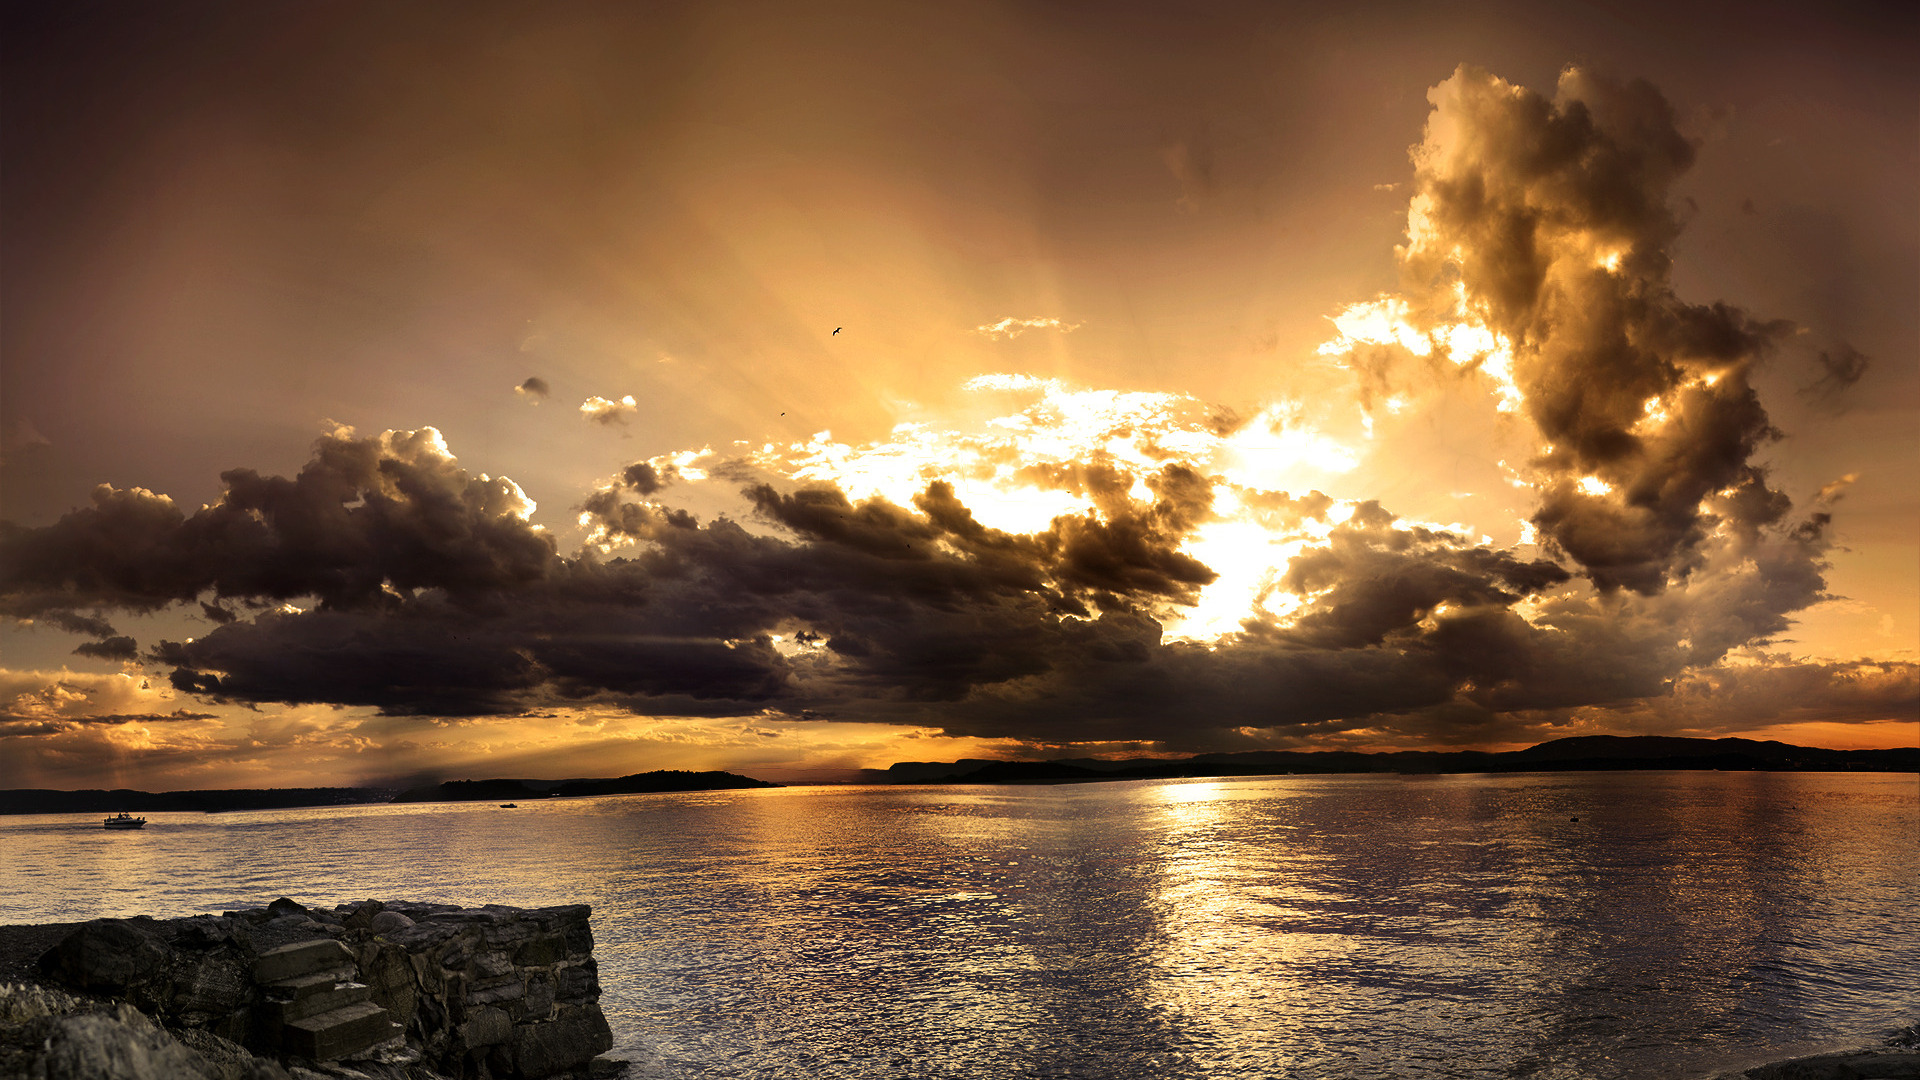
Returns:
<point x="836" y="330"/>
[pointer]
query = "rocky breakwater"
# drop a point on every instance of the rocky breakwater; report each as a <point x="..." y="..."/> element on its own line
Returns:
<point x="408" y="991"/>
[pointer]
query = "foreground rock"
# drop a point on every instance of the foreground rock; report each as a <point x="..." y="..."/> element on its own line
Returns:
<point x="374" y="989"/>
<point x="1898" y="1058"/>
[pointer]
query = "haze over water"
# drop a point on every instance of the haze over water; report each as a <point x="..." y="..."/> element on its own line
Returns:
<point x="1551" y="925"/>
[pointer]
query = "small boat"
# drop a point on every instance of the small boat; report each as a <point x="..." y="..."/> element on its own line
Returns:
<point x="509" y="806"/>
<point x="123" y="821"/>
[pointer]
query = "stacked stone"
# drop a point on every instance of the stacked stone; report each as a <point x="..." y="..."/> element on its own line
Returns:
<point x="313" y="1007"/>
<point x="487" y="992"/>
<point x="491" y="993"/>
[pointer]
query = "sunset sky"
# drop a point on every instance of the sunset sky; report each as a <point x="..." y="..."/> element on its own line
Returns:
<point x="402" y="392"/>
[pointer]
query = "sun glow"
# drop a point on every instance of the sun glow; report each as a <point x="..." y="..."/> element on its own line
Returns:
<point x="1461" y="336"/>
<point x="1066" y="451"/>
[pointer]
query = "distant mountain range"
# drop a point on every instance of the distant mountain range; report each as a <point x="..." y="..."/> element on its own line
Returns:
<point x="44" y="801"/>
<point x="1583" y="753"/>
<point x="636" y="784"/>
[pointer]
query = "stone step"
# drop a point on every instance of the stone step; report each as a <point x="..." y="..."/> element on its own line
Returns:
<point x="305" y="986"/>
<point x="339" y="995"/>
<point x="338" y="1032"/>
<point x="300" y="958"/>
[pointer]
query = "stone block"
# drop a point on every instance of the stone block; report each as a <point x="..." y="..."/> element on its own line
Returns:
<point x="579" y="939"/>
<point x="338" y="995"/>
<point x="539" y="1000"/>
<point x="342" y="1031"/>
<point x="387" y="973"/>
<point x="511" y="990"/>
<point x="579" y="982"/>
<point x="568" y="1041"/>
<point x="486" y="1027"/>
<point x="301" y="958"/>
<point x="207" y="985"/>
<point x="491" y="965"/>
<point x="541" y="951"/>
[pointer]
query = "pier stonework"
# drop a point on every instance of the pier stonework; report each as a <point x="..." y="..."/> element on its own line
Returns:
<point x="395" y="989"/>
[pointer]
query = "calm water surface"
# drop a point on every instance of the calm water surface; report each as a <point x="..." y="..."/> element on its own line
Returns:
<point x="1553" y="925"/>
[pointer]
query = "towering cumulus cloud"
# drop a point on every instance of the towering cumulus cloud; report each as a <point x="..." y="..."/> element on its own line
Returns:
<point x="1091" y="567"/>
<point x="1548" y="224"/>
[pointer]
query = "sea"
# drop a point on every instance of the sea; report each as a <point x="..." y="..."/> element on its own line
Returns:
<point x="1576" y="925"/>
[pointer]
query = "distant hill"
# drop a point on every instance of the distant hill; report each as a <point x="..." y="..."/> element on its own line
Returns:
<point x="1582" y="753"/>
<point x="96" y="801"/>
<point x="48" y="801"/>
<point x="636" y="784"/>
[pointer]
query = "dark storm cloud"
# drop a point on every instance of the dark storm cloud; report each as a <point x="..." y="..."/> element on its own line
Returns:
<point x="873" y="611"/>
<point x="1373" y="579"/>
<point x="113" y="648"/>
<point x="364" y="518"/>
<point x="645" y="478"/>
<point x="15" y="725"/>
<point x="1555" y="215"/>
<point x="70" y="621"/>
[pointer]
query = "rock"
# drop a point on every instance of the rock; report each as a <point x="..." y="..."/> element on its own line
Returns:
<point x="208" y="986"/>
<point x="360" y="916"/>
<point x="301" y="958"/>
<point x="486" y="1027"/>
<point x="228" y="1060"/>
<point x="386" y="922"/>
<point x="570" y="1040"/>
<point x="389" y="975"/>
<point x="122" y="1046"/>
<point x="1853" y="1066"/>
<point x="108" y="956"/>
<point x="207" y="931"/>
<point x="494" y="991"/>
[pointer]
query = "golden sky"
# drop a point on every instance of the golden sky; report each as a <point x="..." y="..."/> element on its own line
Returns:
<point x="505" y="392"/>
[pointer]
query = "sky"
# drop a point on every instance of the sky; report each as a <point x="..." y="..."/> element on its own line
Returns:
<point x="402" y="393"/>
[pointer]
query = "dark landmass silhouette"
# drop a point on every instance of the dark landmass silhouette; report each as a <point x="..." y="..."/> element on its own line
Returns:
<point x="1588" y="753"/>
<point x="211" y="801"/>
<point x="636" y="784"/>
<point x="47" y="801"/>
<point x="1582" y="753"/>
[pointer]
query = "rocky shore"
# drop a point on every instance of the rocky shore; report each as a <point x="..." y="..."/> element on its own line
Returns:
<point x="374" y="990"/>
<point x="1897" y="1058"/>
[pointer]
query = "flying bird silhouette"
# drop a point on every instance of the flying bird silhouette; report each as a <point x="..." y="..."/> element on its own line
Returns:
<point x="836" y="330"/>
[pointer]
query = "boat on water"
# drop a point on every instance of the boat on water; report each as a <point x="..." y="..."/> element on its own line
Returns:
<point x="125" y="821"/>
<point x="509" y="806"/>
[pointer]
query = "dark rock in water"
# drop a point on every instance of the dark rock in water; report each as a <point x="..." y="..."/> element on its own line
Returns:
<point x="1863" y="1065"/>
<point x="402" y="991"/>
<point x="567" y="1042"/>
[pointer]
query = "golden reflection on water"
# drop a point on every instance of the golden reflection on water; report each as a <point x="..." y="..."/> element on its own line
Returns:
<point x="1558" y="925"/>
